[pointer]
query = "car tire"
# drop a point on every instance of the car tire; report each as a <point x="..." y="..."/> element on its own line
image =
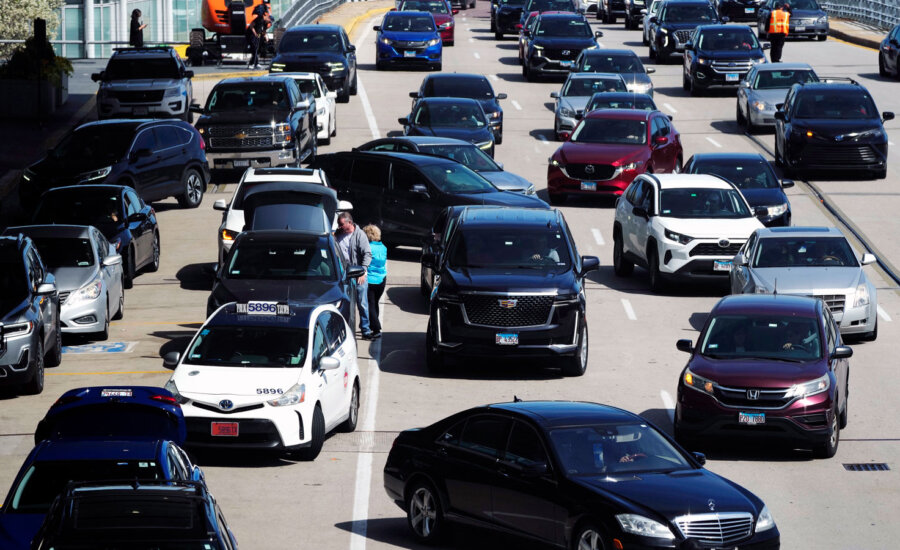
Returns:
<point x="128" y="268"/>
<point x="587" y="536"/>
<point x="424" y="513"/>
<point x="871" y="336"/>
<point x="882" y="69"/>
<point x="556" y="198"/>
<point x="657" y="284"/>
<point x="54" y="357"/>
<point x="354" y="86"/>
<point x="687" y="441"/>
<point x="349" y="425"/>
<point x="434" y="359"/>
<point x="685" y="83"/>
<point x="494" y="27"/>
<point x="695" y="91"/>
<point x="651" y="53"/>
<point x="120" y="313"/>
<point x="611" y="19"/>
<point x="36" y="384"/>
<point x="622" y="267"/>
<point x="188" y="116"/>
<point x="317" y="438"/>
<point x="423" y="286"/>
<point x="343" y="98"/>
<point x="822" y="37"/>
<point x="103" y="334"/>
<point x="193" y="187"/>
<point x="498" y="35"/>
<point x="845" y="414"/>
<point x="644" y="38"/>
<point x="679" y="165"/>
<point x="153" y="266"/>
<point x="760" y="33"/>
<point x="576" y="365"/>
<point x="499" y="139"/>
<point x="830" y="447"/>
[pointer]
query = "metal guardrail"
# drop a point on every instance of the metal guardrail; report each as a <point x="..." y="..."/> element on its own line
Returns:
<point x="304" y="12"/>
<point x="880" y="13"/>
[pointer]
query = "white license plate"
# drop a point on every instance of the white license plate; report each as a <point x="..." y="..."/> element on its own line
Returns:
<point x="751" y="418"/>
<point x="588" y="186"/>
<point x="140" y="110"/>
<point x="749" y="10"/>
<point x="241" y="163"/>
<point x="409" y="53"/>
<point x="798" y="28"/>
<point x="507" y="339"/>
<point x="732" y="77"/>
<point x="721" y="265"/>
<point x="566" y="63"/>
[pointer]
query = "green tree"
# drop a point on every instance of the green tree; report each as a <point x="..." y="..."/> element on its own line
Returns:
<point x="17" y="20"/>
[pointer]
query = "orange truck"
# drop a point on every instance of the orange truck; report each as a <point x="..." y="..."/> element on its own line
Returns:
<point x="227" y="20"/>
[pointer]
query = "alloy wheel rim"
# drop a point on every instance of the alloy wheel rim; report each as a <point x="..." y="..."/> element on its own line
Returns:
<point x="834" y="432"/>
<point x="590" y="540"/>
<point x="194" y="188"/>
<point x="423" y="513"/>
<point x="156" y="251"/>
<point x="354" y="405"/>
<point x="582" y="353"/>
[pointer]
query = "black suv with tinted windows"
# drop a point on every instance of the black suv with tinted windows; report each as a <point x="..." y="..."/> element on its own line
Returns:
<point x="671" y="28"/>
<point x="509" y="283"/>
<point x="403" y="193"/>
<point x="831" y="125"/>
<point x="323" y="49"/>
<point x="556" y="41"/>
<point x="505" y="16"/>
<point x="720" y="56"/>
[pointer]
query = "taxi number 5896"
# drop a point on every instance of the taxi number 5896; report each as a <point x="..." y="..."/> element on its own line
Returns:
<point x="269" y="391"/>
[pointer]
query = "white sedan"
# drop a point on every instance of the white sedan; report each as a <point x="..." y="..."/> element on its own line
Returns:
<point x="267" y="375"/>
<point x="326" y="111"/>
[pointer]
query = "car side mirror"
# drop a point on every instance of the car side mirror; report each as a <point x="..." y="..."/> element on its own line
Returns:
<point x="535" y="469"/>
<point x="345" y="206"/>
<point x="329" y="363"/>
<point x="767" y="45"/>
<point x="111" y="260"/>
<point x="331" y="95"/>
<point x="685" y="345"/>
<point x="670" y="117"/>
<point x="660" y="140"/>
<point x="640" y="212"/>
<point x="887" y="115"/>
<point x="220" y="205"/>
<point x="650" y="70"/>
<point x="868" y="258"/>
<point x="170" y="360"/>
<point x="414" y="95"/>
<point x="419" y="189"/>
<point x="97" y="77"/>
<point x="302" y="104"/>
<point x="644" y="12"/>
<point x="739" y="259"/>
<point x="141" y="153"/>
<point x="351" y="48"/>
<point x="598" y="34"/>
<point x="589" y="263"/>
<point x="188" y="74"/>
<point x="46" y="289"/>
<point x="137" y="217"/>
<point x="779" y="115"/>
<point x="376" y="28"/>
<point x="554" y="95"/>
<point x="700" y="458"/>
<point x="787" y="183"/>
<point x="842" y="352"/>
<point x="653" y="19"/>
<point x="355" y="271"/>
<point x="404" y="121"/>
<point x="501" y="96"/>
<point x="429" y="260"/>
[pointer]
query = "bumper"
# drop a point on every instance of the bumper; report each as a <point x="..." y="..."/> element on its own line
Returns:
<point x="112" y="108"/>
<point x="14" y="361"/>
<point x="695" y="270"/>
<point x="263" y="427"/>
<point x="391" y="56"/>
<point x="565" y="124"/>
<point x="84" y="317"/>
<point x="767" y="540"/>
<point x="858" y="320"/>
<point x="447" y="35"/>
<point x="336" y="82"/>
<point x="706" y="77"/>
<point x="850" y="157"/>
<point x="558" y="183"/>
<point x="547" y="66"/>
<point x="507" y="23"/>
<point x="783" y="220"/>
<point x="808" y="31"/>
<point x="225" y="160"/>
<point x="765" y="117"/>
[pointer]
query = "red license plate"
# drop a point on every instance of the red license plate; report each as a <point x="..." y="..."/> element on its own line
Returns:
<point x="225" y="429"/>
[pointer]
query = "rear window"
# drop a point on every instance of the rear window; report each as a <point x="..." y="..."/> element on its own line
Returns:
<point x="113" y="420"/>
<point x="475" y="88"/>
<point x="613" y="64"/>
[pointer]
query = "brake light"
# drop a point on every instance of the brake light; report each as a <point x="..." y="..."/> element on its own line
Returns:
<point x="65" y="400"/>
<point x="518" y="26"/>
<point x="202" y="141"/>
<point x="167" y="399"/>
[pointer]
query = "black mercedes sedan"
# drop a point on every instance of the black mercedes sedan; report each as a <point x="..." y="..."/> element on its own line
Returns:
<point x="572" y="474"/>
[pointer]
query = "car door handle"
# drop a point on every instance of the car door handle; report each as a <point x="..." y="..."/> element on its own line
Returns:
<point x="409" y="211"/>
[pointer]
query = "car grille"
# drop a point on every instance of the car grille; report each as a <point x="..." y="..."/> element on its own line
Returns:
<point x="140" y="96"/>
<point x="240" y="137"/>
<point x="558" y="53"/>
<point x="485" y="309"/>
<point x="736" y="66"/>
<point x="596" y="172"/>
<point x="232" y="131"/>
<point x="406" y="44"/>
<point x="835" y="302"/>
<point x="63" y="296"/>
<point x="683" y="35"/>
<point x="838" y="155"/>
<point x="740" y="397"/>
<point x="713" y="249"/>
<point x="215" y="409"/>
<point x="717" y="529"/>
<point x="616" y="5"/>
<point x="239" y="142"/>
<point x="809" y="22"/>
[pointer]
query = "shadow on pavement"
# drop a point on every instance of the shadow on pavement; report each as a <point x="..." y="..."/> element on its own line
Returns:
<point x="409" y="299"/>
<point x="197" y="276"/>
<point x="177" y="340"/>
<point x="394" y="532"/>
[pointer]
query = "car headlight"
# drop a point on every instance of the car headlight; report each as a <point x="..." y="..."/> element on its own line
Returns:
<point x="873" y="133"/>
<point x="640" y="87"/>
<point x="663" y="31"/>
<point x="88" y="292"/>
<point x="172" y="92"/>
<point x="28" y="175"/>
<point x="495" y="114"/>
<point x="16" y="330"/>
<point x="336" y="66"/>
<point x="386" y="41"/>
<point x="801" y="131"/>
<point x="537" y="48"/>
<point x="485" y="145"/>
<point x="862" y="296"/>
<point x="645" y="527"/>
<point x="678" y="237"/>
<point x="94" y="174"/>
<point x="699" y="383"/>
<point x="173" y="389"/>
<point x="807" y="389"/>
<point x="777" y="210"/>
<point x="566" y="112"/>
<point x="822" y="20"/>
<point x="276" y="67"/>
<point x="758" y="60"/>
<point x="759" y="105"/>
<point x="446" y="25"/>
<point x="282" y="132"/>
<point x="634" y="166"/>
<point x="702" y="60"/>
<point x="765" y="521"/>
<point x="554" y="162"/>
<point x="434" y="42"/>
<point x="229" y="235"/>
<point x="530" y="190"/>
<point x="294" y="396"/>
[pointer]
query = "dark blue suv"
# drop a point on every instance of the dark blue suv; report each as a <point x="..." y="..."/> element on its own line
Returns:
<point x="720" y="56"/>
<point x="671" y="28"/>
<point x="556" y="41"/>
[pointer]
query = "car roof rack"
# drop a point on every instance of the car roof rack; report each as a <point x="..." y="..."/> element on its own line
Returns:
<point x="145" y="49"/>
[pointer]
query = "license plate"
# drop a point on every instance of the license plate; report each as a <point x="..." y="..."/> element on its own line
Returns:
<point x="140" y="111"/>
<point x="241" y="163"/>
<point x="732" y="77"/>
<point x="588" y="186"/>
<point x="751" y="418"/>
<point x="409" y="53"/>
<point x="721" y="265"/>
<point x="566" y="63"/>
<point x="224" y="429"/>
<point x="115" y="393"/>
<point x="749" y="10"/>
<point x="799" y="28"/>
<point x="507" y="339"/>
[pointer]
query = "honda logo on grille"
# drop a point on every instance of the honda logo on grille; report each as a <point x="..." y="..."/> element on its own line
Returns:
<point x="753" y="395"/>
<point x="589" y="169"/>
<point x="508" y="304"/>
<point x="724" y="243"/>
<point x="566" y="52"/>
<point x="226" y="404"/>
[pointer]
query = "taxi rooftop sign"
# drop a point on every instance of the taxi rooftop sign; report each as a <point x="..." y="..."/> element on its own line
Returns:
<point x="262" y="308"/>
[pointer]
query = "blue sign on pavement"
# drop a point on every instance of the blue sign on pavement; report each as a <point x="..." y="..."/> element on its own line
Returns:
<point x="104" y="347"/>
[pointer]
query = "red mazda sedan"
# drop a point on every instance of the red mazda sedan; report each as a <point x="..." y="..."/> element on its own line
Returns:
<point x="440" y="9"/>
<point x="608" y="149"/>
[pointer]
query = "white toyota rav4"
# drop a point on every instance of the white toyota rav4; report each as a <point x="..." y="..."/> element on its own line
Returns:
<point x="680" y="226"/>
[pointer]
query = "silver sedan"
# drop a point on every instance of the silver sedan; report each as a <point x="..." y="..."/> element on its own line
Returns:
<point x="810" y="261"/>
<point x="578" y="89"/>
<point x="764" y="87"/>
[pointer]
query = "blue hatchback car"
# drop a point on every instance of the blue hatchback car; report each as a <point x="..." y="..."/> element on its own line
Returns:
<point x="408" y="38"/>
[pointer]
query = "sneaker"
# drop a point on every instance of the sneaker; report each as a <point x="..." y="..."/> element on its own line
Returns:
<point x="256" y="66"/>
<point x="368" y="335"/>
<point x="376" y="335"/>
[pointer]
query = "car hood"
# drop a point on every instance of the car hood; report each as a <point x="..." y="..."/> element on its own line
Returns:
<point x="756" y="373"/>
<point x="241" y="290"/>
<point x="18" y="530"/>
<point x="674" y="494"/>
<point x="307" y="57"/>
<point x="502" y="198"/>
<point x="737" y="55"/>
<point x="140" y="84"/>
<point x="506" y="180"/>
<point x="60" y="172"/>
<point x="829" y="128"/>
<point x="772" y="96"/>
<point x="682" y="26"/>
<point x="442" y="17"/>
<point x="73" y="278"/>
<point x="714" y="228"/>
<point x="809" y="280"/>
<point x="574" y="102"/>
<point x="210" y="384"/>
<point x="13" y="314"/>
<point x="472" y="135"/>
<point x="245" y="117"/>
<point x="506" y="280"/>
<point x="565" y="43"/>
<point x="597" y="153"/>
<point x="489" y="105"/>
<point x="764" y="197"/>
<point x="409" y="36"/>
<point x="806" y="14"/>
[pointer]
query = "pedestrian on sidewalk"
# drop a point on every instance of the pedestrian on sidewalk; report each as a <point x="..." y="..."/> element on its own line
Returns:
<point x="355" y="247"/>
<point x="779" y="23"/>
<point x="377" y="276"/>
<point x="136" y="35"/>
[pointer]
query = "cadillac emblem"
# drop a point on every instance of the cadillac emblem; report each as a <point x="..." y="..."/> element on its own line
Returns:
<point x="226" y="404"/>
<point x="589" y="169"/>
<point x="507" y="304"/>
<point x="724" y="243"/>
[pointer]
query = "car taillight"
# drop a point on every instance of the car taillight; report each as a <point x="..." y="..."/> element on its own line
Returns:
<point x="202" y="141"/>
<point x="65" y="400"/>
<point x="168" y="399"/>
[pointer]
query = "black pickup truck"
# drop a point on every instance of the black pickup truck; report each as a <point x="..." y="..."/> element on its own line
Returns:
<point x="257" y="122"/>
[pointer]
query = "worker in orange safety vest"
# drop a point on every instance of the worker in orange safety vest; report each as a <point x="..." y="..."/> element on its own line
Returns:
<point x="779" y="23"/>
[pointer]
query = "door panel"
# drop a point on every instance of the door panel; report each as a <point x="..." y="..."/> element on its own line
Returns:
<point x="407" y="215"/>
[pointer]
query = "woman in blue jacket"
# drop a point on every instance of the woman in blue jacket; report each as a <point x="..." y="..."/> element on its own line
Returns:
<point x="377" y="274"/>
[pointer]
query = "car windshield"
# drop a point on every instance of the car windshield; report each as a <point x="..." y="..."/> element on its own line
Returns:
<point x="804" y="5"/>
<point x="835" y="104"/>
<point x="745" y="174"/>
<point x="612" y="64"/>
<point x="702" y="203"/>
<point x="738" y="39"/>
<point x="519" y="248"/>
<point x="475" y="88"/>
<point x="44" y="480"/>
<point x="696" y="13"/>
<point x="408" y="23"/>
<point x="248" y="346"/>
<point x="611" y="131"/>
<point x="242" y="97"/>
<point x="13" y="283"/>
<point x="580" y="87"/>
<point x="512" y="2"/>
<point x="615" y="448"/>
<point x="450" y="115"/>
<point x="456" y="179"/>
<point x="285" y="261"/>
<point x="65" y="252"/>
<point x="563" y="27"/>
<point x="433" y="6"/>
<point x="779" y="337"/>
<point x="101" y="142"/>
<point x="308" y="86"/>
<point x="125" y="68"/>
<point x="310" y="41"/>
<point x="102" y="209"/>
<point x="468" y="155"/>
<point x="804" y="252"/>
<point x="640" y="102"/>
<point x="550" y="5"/>
<point x="774" y="80"/>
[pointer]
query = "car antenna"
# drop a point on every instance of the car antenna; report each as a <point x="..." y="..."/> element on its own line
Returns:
<point x="516" y="399"/>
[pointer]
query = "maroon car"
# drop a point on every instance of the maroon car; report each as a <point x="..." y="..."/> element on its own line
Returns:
<point x="443" y="15"/>
<point x="770" y="366"/>
<point x="609" y="148"/>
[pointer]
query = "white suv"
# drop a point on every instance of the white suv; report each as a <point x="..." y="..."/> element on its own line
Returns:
<point x="680" y="226"/>
<point x="312" y="83"/>
<point x="144" y="83"/>
<point x="233" y="211"/>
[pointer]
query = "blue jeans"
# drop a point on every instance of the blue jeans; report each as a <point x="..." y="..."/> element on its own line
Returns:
<point x="362" y="306"/>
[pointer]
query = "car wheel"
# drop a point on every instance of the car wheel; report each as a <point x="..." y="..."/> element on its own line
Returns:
<point x="120" y="313"/>
<point x="588" y="537"/>
<point x="128" y="268"/>
<point x="326" y="140"/>
<point x="611" y="19"/>
<point x="656" y="280"/>
<point x="498" y="35"/>
<point x="349" y="425"/>
<point x="882" y="69"/>
<point x="434" y="359"/>
<point x="644" y="39"/>
<point x="103" y="334"/>
<point x="353" y="86"/>
<point x="557" y="198"/>
<point x="154" y="259"/>
<point x="651" y="53"/>
<point x="36" y="384"/>
<point x="822" y="37"/>
<point x="54" y="356"/>
<point x="739" y="116"/>
<point x="318" y="436"/>
<point x="525" y="73"/>
<point x="871" y="336"/>
<point x="494" y="27"/>
<point x="760" y="32"/>
<point x="679" y="165"/>
<point x="830" y="447"/>
<point x="314" y="150"/>
<point x="575" y="365"/>
<point x="685" y="83"/>
<point x="845" y="414"/>
<point x="499" y="139"/>
<point x="424" y="514"/>
<point x="343" y="98"/>
<point x="188" y="116"/>
<point x="424" y="290"/>
<point x="683" y="439"/>
<point x="193" y="185"/>
<point x="621" y="266"/>
<point x="695" y="90"/>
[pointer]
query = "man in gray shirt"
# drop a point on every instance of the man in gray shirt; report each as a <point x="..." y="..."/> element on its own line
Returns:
<point x="354" y="246"/>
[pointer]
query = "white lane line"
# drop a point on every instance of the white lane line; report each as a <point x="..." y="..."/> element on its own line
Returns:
<point x="472" y="40"/>
<point x="516" y="105"/>
<point x="537" y="149"/>
<point x="477" y="55"/>
<point x="598" y="236"/>
<point x="364" y="99"/>
<point x="669" y="404"/>
<point x="494" y="77"/>
<point x="891" y="143"/>
<point x="714" y="142"/>
<point x="669" y="107"/>
<point x="543" y="138"/>
<point x="884" y="314"/>
<point x="629" y="311"/>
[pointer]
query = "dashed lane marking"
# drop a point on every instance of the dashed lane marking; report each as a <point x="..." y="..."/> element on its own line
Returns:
<point x="516" y="105"/>
<point x="884" y="314"/>
<point x="598" y="236"/>
<point x="629" y="311"/>
<point x="714" y="142"/>
<point x="669" y="404"/>
<point x="669" y="107"/>
<point x="477" y="55"/>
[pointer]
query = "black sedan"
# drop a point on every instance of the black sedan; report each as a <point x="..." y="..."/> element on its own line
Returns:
<point x="473" y="86"/>
<point x="576" y="475"/>
<point x="454" y="117"/>
<point x="889" y="54"/>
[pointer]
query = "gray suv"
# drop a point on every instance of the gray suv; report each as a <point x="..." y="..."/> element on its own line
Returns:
<point x="29" y="316"/>
<point x="144" y="83"/>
